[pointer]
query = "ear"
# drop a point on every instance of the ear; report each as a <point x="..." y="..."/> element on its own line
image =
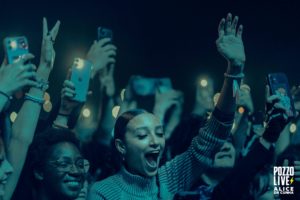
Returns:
<point x="38" y="175"/>
<point x="120" y="146"/>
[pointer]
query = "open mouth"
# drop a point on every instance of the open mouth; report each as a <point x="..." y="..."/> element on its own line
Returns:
<point x="152" y="159"/>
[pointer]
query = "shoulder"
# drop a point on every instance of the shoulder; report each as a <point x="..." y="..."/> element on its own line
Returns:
<point x="106" y="188"/>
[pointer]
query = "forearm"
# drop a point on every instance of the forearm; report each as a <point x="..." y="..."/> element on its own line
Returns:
<point x="108" y="121"/>
<point x="227" y="101"/>
<point x="25" y="124"/>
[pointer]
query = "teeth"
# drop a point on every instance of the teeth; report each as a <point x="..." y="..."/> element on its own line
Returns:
<point x="73" y="183"/>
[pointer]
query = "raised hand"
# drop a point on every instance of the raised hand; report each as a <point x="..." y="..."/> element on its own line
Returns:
<point x="47" y="50"/>
<point x="101" y="54"/>
<point x="230" y="43"/>
<point x="14" y="77"/>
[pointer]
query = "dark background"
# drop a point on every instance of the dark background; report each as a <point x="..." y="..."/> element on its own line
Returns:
<point x="164" y="38"/>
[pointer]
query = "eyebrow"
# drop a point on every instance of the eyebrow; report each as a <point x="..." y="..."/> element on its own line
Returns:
<point x="146" y="128"/>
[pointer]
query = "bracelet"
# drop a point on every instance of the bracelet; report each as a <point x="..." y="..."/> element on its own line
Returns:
<point x="34" y="99"/>
<point x="6" y="95"/>
<point x="42" y="85"/>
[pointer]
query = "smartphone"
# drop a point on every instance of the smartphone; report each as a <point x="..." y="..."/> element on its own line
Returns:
<point x="278" y="84"/>
<point x="104" y="33"/>
<point x="143" y="86"/>
<point x="15" y="47"/>
<point x="80" y="76"/>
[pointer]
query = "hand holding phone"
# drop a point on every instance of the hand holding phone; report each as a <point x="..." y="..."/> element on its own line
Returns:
<point x="80" y="77"/>
<point x="279" y="85"/>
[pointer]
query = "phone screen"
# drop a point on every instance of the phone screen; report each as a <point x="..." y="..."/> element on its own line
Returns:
<point x="15" y="47"/>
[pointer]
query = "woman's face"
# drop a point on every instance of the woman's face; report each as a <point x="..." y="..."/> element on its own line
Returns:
<point x="5" y="168"/>
<point x="144" y="144"/>
<point x="64" y="171"/>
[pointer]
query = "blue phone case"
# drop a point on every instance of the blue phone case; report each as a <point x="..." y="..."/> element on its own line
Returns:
<point x="81" y="73"/>
<point x="15" y="47"/>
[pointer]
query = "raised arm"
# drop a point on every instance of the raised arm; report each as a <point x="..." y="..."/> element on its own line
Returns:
<point x="24" y="127"/>
<point x="181" y="172"/>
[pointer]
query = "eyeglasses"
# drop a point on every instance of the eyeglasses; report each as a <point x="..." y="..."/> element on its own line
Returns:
<point x="64" y="165"/>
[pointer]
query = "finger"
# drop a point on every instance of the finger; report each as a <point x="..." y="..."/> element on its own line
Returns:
<point x="111" y="53"/>
<point x="103" y="41"/>
<point x="228" y="24"/>
<point x="273" y="98"/>
<point x="55" y="30"/>
<point x="109" y="47"/>
<point x="286" y="162"/>
<point x="221" y="27"/>
<point x="45" y="28"/>
<point x="29" y="67"/>
<point x="297" y="173"/>
<point x="29" y="75"/>
<point x="68" y="94"/>
<point x="111" y="61"/>
<point x="24" y="59"/>
<point x="240" y="31"/>
<point x="69" y="84"/>
<point x="31" y="83"/>
<point x="297" y="179"/>
<point x="280" y="106"/>
<point x="234" y="24"/>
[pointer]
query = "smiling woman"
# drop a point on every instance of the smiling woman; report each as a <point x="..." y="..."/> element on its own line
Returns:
<point x="56" y="165"/>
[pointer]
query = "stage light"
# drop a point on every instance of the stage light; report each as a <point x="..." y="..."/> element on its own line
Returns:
<point x="46" y="96"/>
<point x="47" y="106"/>
<point x="122" y="94"/>
<point x="86" y="112"/>
<point x="115" y="111"/>
<point x="203" y="83"/>
<point x="293" y="128"/>
<point x="241" y="110"/>
<point x="13" y="116"/>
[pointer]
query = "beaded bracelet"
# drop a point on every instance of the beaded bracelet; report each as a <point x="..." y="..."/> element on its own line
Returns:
<point x="34" y="99"/>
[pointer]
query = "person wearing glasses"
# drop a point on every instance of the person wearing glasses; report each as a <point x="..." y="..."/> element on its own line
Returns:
<point x="56" y="167"/>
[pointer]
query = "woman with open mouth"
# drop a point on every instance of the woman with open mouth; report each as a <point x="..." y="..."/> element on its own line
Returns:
<point x="139" y="137"/>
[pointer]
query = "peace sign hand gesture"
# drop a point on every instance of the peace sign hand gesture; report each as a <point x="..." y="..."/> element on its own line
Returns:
<point x="47" y="50"/>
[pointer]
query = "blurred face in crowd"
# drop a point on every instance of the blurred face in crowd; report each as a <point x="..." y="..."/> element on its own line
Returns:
<point x="225" y="158"/>
<point x="64" y="171"/>
<point x="205" y="96"/>
<point x="5" y="168"/>
<point x="143" y="145"/>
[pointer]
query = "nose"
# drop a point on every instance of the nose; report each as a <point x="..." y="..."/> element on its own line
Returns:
<point x="74" y="170"/>
<point x="154" y="141"/>
<point x="226" y="147"/>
